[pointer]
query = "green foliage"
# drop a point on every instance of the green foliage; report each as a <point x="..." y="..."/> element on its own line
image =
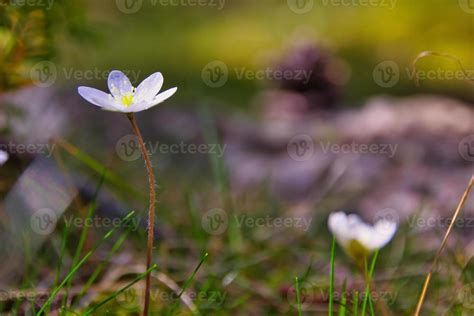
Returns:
<point x="30" y="33"/>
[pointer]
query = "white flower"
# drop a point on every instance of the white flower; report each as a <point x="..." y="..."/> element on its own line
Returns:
<point x="3" y="157"/>
<point x="124" y="97"/>
<point x="357" y="237"/>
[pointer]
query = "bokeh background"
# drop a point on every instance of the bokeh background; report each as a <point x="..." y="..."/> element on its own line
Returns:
<point x="270" y="144"/>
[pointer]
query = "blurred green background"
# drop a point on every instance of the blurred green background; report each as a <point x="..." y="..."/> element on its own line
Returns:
<point x="179" y="39"/>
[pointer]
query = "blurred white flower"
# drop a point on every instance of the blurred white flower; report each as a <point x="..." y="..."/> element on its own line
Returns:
<point x="123" y="97"/>
<point x="358" y="238"/>
<point x="3" y="157"/>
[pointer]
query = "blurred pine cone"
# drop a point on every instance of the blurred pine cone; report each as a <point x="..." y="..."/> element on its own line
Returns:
<point x="319" y="82"/>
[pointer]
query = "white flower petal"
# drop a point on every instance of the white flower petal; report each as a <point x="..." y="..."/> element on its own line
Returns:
<point x="353" y="221"/>
<point x="135" y="107"/>
<point x="383" y="232"/>
<point x="347" y="228"/>
<point x="366" y="236"/>
<point x="338" y="225"/>
<point x="163" y="96"/>
<point x="124" y="98"/>
<point x="149" y="88"/>
<point x="3" y="157"/>
<point x="119" y="84"/>
<point x="97" y="97"/>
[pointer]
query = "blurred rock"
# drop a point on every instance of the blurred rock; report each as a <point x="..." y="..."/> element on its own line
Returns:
<point x="403" y="155"/>
<point x="35" y="114"/>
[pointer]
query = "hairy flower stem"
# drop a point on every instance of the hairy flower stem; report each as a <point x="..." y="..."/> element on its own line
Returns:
<point x="151" y="209"/>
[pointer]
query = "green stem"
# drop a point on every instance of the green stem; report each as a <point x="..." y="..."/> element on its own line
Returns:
<point x="368" y="279"/>
<point x="331" y="277"/>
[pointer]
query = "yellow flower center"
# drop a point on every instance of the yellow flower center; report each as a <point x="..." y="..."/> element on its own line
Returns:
<point x="357" y="251"/>
<point x="127" y="99"/>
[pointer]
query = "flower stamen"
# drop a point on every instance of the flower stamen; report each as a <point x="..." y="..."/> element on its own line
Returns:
<point x="127" y="99"/>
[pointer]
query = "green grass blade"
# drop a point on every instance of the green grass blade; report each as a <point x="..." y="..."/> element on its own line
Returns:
<point x="114" y="295"/>
<point x="355" y="303"/>
<point x="61" y="259"/>
<point x="90" y="212"/>
<point x="102" y="265"/>
<point x="298" y="297"/>
<point x="187" y="283"/>
<point x="342" y="305"/>
<point x="217" y="163"/>
<point x="369" y="280"/>
<point x="191" y="278"/>
<point x="371" y="307"/>
<point x="79" y="265"/>
<point x="85" y="231"/>
<point x="96" y="166"/>
<point x="331" y="277"/>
